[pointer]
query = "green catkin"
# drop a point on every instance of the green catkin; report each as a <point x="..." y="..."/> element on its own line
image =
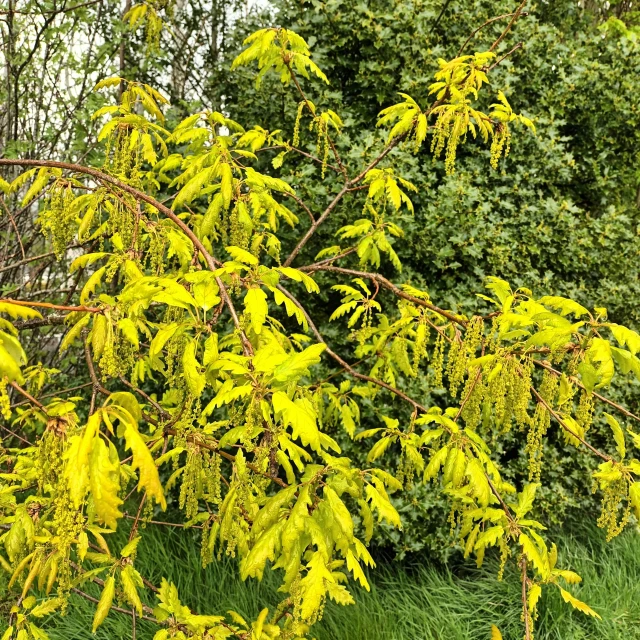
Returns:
<point x="447" y="133"/>
<point x="494" y="335"/>
<point x="452" y="147"/>
<point x="400" y="355"/>
<point x="440" y="134"/>
<point x="613" y="496"/>
<point x="461" y="353"/>
<point x="539" y="425"/>
<point x="451" y="519"/>
<point x="437" y="361"/>
<point x="504" y="556"/>
<point x="57" y="219"/>
<point x="474" y="393"/>
<point x="191" y="487"/>
<point x="239" y="235"/>
<point x="155" y="254"/>
<point x="296" y="128"/>
<point x="5" y="403"/>
<point x="67" y="523"/>
<point x="453" y="359"/>
<point x="420" y="344"/>
<point x="501" y="144"/>
<point x="509" y="390"/>
<point x="584" y="413"/>
<point x="118" y="356"/>
<point x="49" y="461"/>
<point x="522" y="393"/>
<point x="325" y="154"/>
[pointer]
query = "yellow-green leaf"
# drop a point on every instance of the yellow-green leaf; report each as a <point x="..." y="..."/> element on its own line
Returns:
<point x="104" y="605"/>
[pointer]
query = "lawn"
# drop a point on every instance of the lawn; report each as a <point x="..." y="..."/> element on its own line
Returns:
<point x="410" y="600"/>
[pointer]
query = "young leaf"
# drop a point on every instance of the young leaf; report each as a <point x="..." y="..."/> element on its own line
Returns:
<point x="104" y="605"/>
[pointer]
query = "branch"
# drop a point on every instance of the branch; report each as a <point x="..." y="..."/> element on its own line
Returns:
<point x="92" y="372"/>
<point x="604" y="399"/>
<point x="13" y="224"/>
<point x="445" y="6"/>
<point x="26" y="261"/>
<point x="487" y="23"/>
<point x="503" y="504"/>
<point x="128" y="612"/>
<point x="568" y="429"/>
<point x="316" y="224"/>
<point x="317" y="266"/>
<point x="381" y="280"/>
<point x="28" y="396"/>
<point x="56" y="393"/>
<point x="515" y="17"/>
<point x="54" y="11"/>
<point x="212" y="263"/>
<point x="34" y="323"/>
<point x="293" y="196"/>
<point x="345" y="365"/>
<point x="506" y="55"/>
<point x="49" y="305"/>
<point x="301" y="152"/>
<point x="525" y="608"/>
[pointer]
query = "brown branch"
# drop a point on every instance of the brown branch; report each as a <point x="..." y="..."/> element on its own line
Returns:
<point x="487" y="23"/>
<point x="48" y="305"/>
<point x="600" y="397"/>
<point x="28" y="396"/>
<point x="56" y="393"/>
<point x="165" y="524"/>
<point x="55" y="11"/>
<point x="301" y="152"/>
<point x="345" y="365"/>
<point x="566" y="427"/>
<point x="503" y="504"/>
<point x="14" y="225"/>
<point x="381" y="280"/>
<point x="316" y="224"/>
<point x="506" y="55"/>
<point x="293" y="196"/>
<point x="150" y="400"/>
<point x="15" y="435"/>
<point x="97" y="387"/>
<point x="466" y="399"/>
<point x="525" y="608"/>
<point x="516" y="15"/>
<point x="34" y="323"/>
<point x="128" y="612"/>
<point x="317" y="266"/>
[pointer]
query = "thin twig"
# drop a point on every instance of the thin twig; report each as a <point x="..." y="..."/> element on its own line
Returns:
<point x="566" y="427"/>
<point x="516" y="15"/>
<point x="525" y="608"/>
<point x="345" y="365"/>
<point x="391" y="287"/>
<point x="14" y="225"/>
<point x="482" y="26"/>
<point x="49" y="305"/>
<point x="28" y="396"/>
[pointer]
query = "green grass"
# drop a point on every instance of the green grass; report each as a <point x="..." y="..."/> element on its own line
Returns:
<point x="413" y="600"/>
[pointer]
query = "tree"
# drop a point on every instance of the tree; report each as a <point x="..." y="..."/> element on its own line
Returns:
<point x="559" y="216"/>
<point x="217" y="367"/>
